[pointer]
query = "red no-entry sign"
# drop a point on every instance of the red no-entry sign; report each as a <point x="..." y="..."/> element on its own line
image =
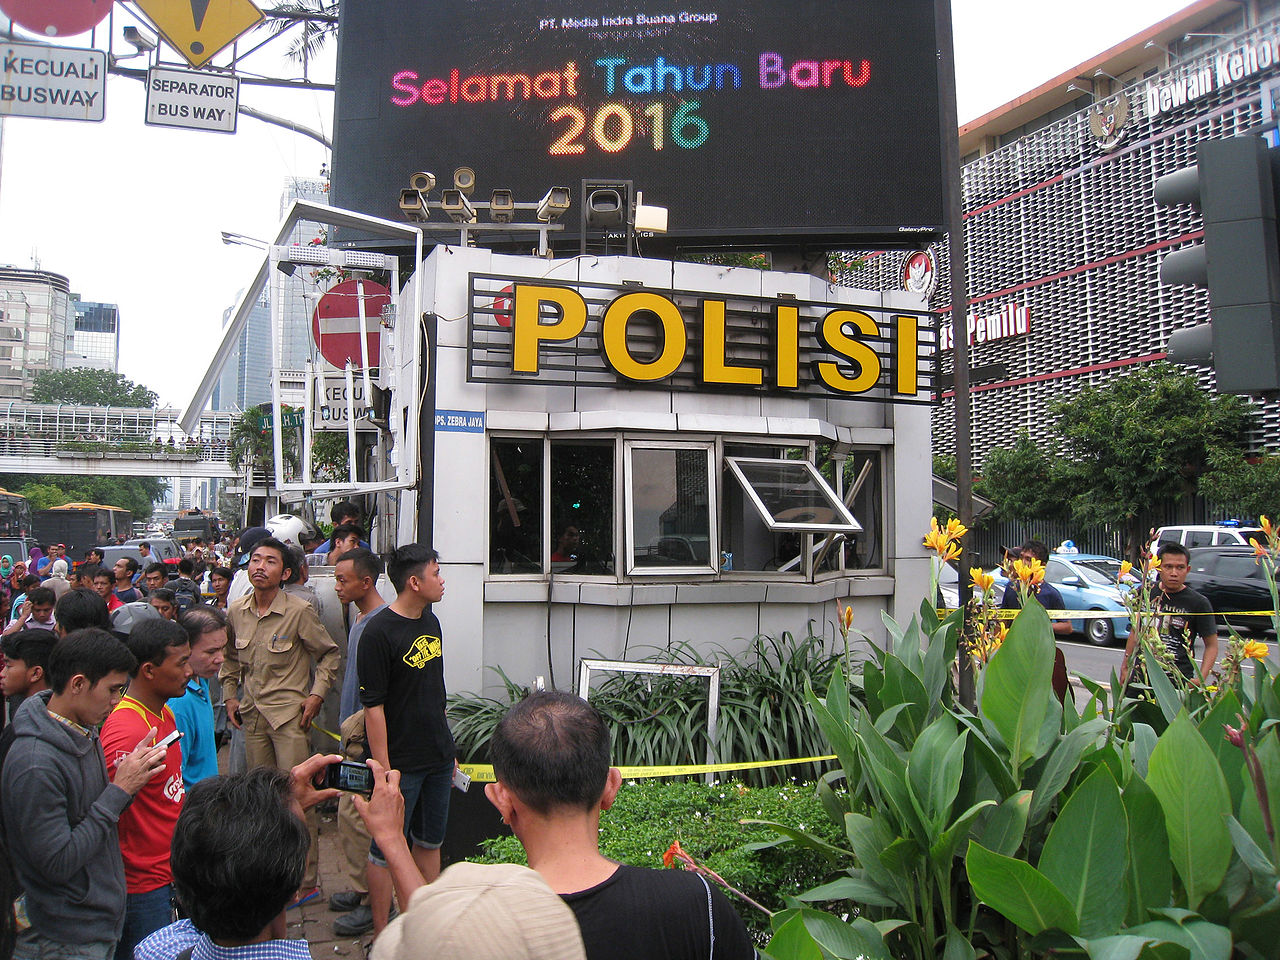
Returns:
<point x="56" y="18"/>
<point x="336" y="323"/>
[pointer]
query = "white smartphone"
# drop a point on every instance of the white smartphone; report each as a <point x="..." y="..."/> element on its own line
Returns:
<point x="170" y="739"/>
<point x="460" y="780"/>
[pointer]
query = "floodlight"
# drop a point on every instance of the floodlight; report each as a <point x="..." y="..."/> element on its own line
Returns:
<point x="502" y="206"/>
<point x="457" y="206"/>
<point x="554" y="205"/>
<point x="423" y="182"/>
<point x="414" y="206"/>
<point x="605" y="207"/>
<point x="650" y="218"/>
<point x="464" y="180"/>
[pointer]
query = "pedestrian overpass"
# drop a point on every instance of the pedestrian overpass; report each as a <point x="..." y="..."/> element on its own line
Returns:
<point x="113" y="441"/>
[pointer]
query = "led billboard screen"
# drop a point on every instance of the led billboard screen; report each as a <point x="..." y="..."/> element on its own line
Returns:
<point x="755" y="121"/>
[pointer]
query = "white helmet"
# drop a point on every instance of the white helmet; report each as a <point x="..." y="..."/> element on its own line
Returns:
<point x="289" y="529"/>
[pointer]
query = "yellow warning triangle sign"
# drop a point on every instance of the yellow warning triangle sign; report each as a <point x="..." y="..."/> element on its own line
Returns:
<point x="199" y="29"/>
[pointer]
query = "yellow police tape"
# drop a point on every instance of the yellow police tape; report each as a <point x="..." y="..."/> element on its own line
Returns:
<point x="1001" y="614"/>
<point x="327" y="733"/>
<point x="483" y="772"/>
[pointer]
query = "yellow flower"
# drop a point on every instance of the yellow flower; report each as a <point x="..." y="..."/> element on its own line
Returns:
<point x="1030" y="572"/>
<point x="1002" y="633"/>
<point x="1154" y="564"/>
<point x="936" y="540"/>
<point x="846" y="616"/>
<point x="1125" y="567"/>
<point x="952" y="552"/>
<point x="956" y="529"/>
<point x="1265" y="524"/>
<point x="1259" y="551"/>
<point x="1256" y="650"/>
<point x="982" y="581"/>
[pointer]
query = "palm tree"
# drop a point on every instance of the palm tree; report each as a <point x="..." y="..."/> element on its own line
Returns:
<point x="319" y="19"/>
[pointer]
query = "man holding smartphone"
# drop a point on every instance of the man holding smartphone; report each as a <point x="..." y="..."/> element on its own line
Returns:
<point x="162" y="650"/>
<point x="400" y="662"/>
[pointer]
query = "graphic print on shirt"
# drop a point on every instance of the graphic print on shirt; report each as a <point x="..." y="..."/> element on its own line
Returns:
<point x="423" y="650"/>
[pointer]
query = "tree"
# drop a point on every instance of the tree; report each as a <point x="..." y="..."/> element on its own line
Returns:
<point x="88" y="387"/>
<point x="135" y="494"/>
<point x="1242" y="488"/>
<point x="1023" y="481"/>
<point x="1141" y="439"/>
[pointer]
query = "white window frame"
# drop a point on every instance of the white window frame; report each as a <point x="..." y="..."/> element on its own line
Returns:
<point x="849" y="523"/>
<point x="712" y="565"/>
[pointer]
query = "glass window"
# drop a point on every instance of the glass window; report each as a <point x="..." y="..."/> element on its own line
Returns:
<point x="746" y="543"/>
<point x="670" y="505"/>
<point x="1056" y="571"/>
<point x="515" y="505"/>
<point x="1239" y="568"/>
<point x="791" y="495"/>
<point x="1200" y="538"/>
<point x="864" y="492"/>
<point x="582" y="521"/>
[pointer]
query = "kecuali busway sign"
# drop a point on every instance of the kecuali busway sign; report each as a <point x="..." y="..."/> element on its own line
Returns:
<point x="53" y="83"/>
<point x="194" y="101"/>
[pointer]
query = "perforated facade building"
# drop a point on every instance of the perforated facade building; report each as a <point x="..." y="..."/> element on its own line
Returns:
<point x="1063" y="234"/>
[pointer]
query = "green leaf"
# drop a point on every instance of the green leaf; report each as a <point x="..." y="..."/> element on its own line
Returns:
<point x="1258" y="928"/>
<point x="1019" y="892"/>
<point x="1008" y="825"/>
<point x="1166" y="696"/>
<point x="1251" y="853"/>
<point x="1149" y="874"/>
<point x="934" y="768"/>
<point x="1230" y="758"/>
<point x="830" y="851"/>
<point x="1144" y="741"/>
<point x="1128" y="947"/>
<point x="1018" y="683"/>
<point x="861" y="891"/>
<point x="901" y="686"/>
<point x="1062" y="763"/>
<point x="1084" y="854"/>
<point x="1186" y="779"/>
<point x="944" y="848"/>
<point x="868" y="837"/>
<point x="1205" y="940"/>
<point x="792" y="941"/>
<point x="846" y="941"/>
<point x="957" y="946"/>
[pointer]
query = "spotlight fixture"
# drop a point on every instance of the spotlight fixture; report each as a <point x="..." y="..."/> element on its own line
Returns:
<point x="554" y="205"/>
<point x="414" y="206"/>
<point x="423" y="182"/>
<point x="464" y="181"/>
<point x="457" y="206"/>
<point x="605" y="208"/>
<point x="502" y="206"/>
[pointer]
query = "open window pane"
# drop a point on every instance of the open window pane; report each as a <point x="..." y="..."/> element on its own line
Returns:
<point x="791" y="495"/>
<point x="515" y="505"/>
<point x="864" y="486"/>
<point x="582" y="519"/>
<point x="670" y="509"/>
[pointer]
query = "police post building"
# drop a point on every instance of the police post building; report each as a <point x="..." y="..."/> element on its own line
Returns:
<point x="1064" y="236"/>
<point x="621" y="451"/>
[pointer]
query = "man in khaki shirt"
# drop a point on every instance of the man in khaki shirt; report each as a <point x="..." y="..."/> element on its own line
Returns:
<point x="278" y="638"/>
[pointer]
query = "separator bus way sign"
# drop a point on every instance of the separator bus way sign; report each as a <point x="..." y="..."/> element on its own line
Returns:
<point x="192" y="100"/>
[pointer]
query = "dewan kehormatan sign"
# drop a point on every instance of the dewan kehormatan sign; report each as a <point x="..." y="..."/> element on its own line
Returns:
<point x="53" y="83"/>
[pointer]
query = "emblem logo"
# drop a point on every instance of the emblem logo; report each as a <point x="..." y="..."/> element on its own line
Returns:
<point x="1107" y="120"/>
<point x="920" y="273"/>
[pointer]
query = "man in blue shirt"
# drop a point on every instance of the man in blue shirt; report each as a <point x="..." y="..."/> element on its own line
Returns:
<point x="237" y="909"/>
<point x="1050" y="599"/>
<point x="193" y="711"/>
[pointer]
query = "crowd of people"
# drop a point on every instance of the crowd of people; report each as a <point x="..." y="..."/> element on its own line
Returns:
<point x="117" y="820"/>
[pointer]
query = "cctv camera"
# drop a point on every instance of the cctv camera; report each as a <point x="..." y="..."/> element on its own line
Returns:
<point x="502" y="206"/>
<point x="139" y="40"/>
<point x="457" y="206"/>
<point x="554" y="204"/>
<point x="423" y="182"/>
<point x="464" y="180"/>
<point x="605" y="207"/>
<point x="413" y="206"/>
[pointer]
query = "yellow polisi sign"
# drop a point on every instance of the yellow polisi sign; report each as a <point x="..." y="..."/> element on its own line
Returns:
<point x="199" y="29"/>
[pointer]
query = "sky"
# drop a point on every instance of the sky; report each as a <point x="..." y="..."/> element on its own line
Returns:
<point x="132" y="214"/>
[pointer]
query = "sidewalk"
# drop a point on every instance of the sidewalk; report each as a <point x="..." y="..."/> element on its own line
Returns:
<point x="314" y="921"/>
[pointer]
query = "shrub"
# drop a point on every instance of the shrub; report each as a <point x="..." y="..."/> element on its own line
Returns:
<point x="706" y="819"/>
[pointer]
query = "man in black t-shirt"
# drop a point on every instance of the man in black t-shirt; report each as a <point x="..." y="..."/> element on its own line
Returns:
<point x="1181" y="614"/>
<point x="550" y="758"/>
<point x="400" y="665"/>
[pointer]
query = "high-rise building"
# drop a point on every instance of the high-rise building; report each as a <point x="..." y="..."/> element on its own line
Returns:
<point x="95" y="341"/>
<point x="35" y="326"/>
<point x="246" y="376"/>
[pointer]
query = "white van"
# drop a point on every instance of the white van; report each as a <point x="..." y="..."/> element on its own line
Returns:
<point x="1208" y="535"/>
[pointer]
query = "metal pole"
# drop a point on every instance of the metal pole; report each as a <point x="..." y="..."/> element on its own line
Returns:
<point x="954" y="194"/>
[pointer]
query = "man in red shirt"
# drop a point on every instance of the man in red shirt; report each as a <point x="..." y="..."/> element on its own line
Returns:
<point x="103" y="582"/>
<point x="146" y="827"/>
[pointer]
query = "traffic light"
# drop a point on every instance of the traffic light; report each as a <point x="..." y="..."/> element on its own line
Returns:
<point x="1233" y="185"/>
